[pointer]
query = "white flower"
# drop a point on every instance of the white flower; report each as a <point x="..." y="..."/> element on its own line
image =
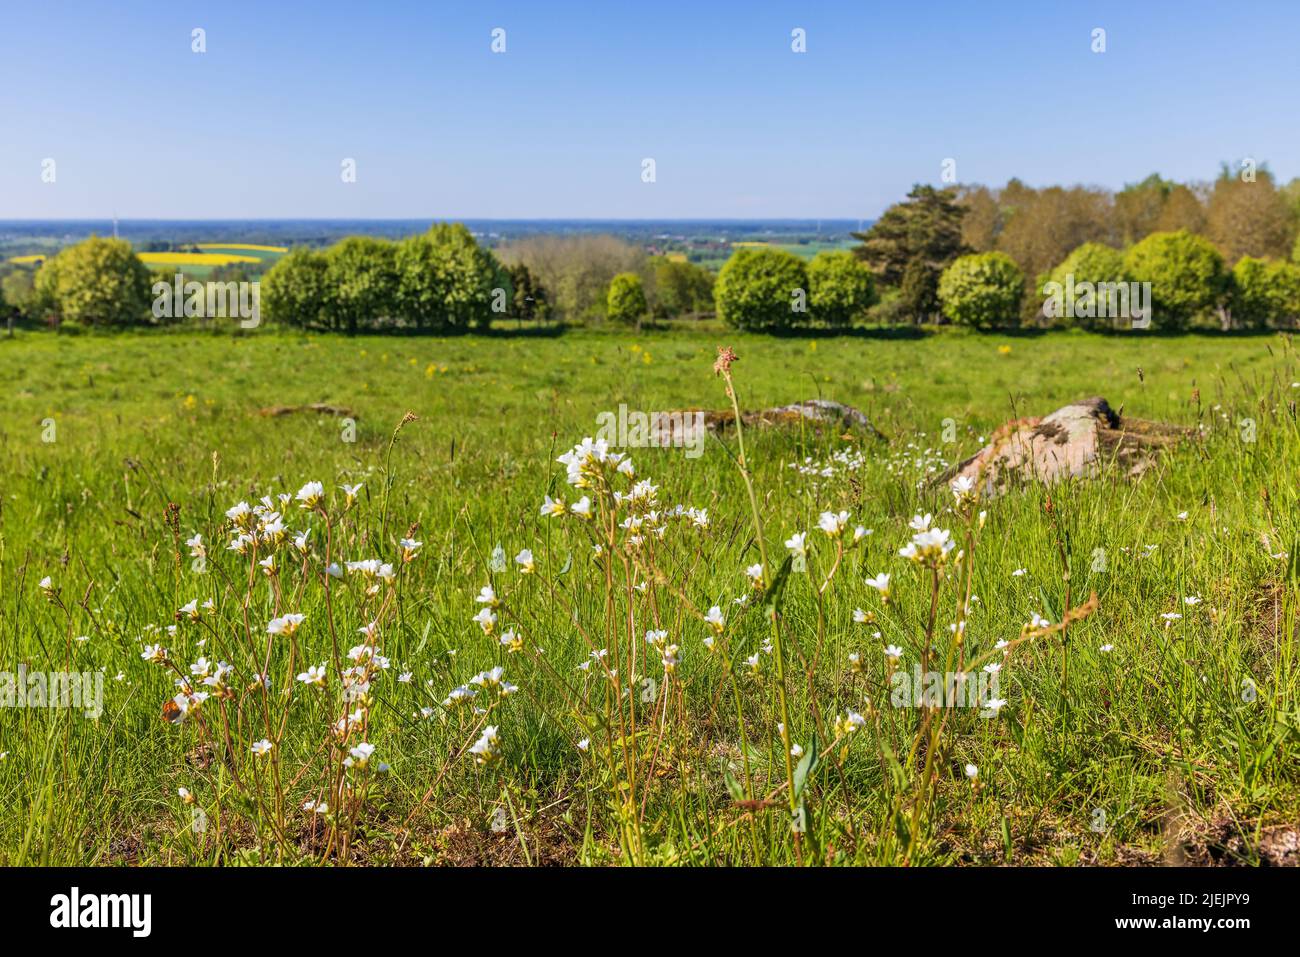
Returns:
<point x="920" y="523"/>
<point x="893" y="652"/>
<point x="861" y="617"/>
<point x="488" y="747"/>
<point x="582" y="507"/>
<point x="185" y="795"/>
<point x="831" y="523"/>
<point x="1019" y="573"/>
<point x="995" y="704"/>
<point x="755" y="575"/>
<point x="310" y="495"/>
<point x="525" y="562"/>
<point x="300" y="541"/>
<point x="584" y="744"/>
<point x="195" y="545"/>
<point x="189" y="610"/>
<point x="795" y="543"/>
<point x="881" y="584"/>
<point x="155" y="654"/>
<point x="410" y="548"/>
<point x="1106" y="649"/>
<point x="972" y="771"/>
<point x="359" y="756"/>
<point x="554" y="507"/>
<point x="993" y="667"/>
<point x="859" y="533"/>
<point x="45" y="585"/>
<point x="796" y="750"/>
<point x="314" y="675"/>
<point x="319" y="807"/>
<point x="1191" y="600"/>
<point x="1182" y="516"/>
<point x="963" y="489"/>
<point x="929" y="547"/>
<point x="713" y="618"/>
<point x="486" y="620"/>
<point x="487" y="596"/>
<point x="284" y="625"/>
<point x="262" y="748"/>
<point x="350" y="493"/>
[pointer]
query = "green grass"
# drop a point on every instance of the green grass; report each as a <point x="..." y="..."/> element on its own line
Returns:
<point x="1160" y="735"/>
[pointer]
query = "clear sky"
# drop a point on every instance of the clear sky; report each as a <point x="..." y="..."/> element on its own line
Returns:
<point x="557" y="127"/>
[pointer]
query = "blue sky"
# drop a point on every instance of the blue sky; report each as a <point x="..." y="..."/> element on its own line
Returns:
<point x="738" y="125"/>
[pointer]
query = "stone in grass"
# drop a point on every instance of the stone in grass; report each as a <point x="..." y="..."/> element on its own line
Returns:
<point x="1076" y="441"/>
<point x="682" y="426"/>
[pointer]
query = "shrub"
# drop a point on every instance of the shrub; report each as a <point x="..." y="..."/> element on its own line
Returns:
<point x="840" y="287"/>
<point x="764" y="289"/>
<point x="626" y="299"/>
<point x="363" y="273"/>
<point x="296" y="290"/>
<point x="96" y="282"/>
<point x="1265" y="291"/>
<point x="1096" y="265"/>
<point x="1186" y="274"/>
<point x="982" y="290"/>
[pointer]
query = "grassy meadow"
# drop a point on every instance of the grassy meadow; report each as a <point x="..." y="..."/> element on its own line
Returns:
<point x="1161" y="725"/>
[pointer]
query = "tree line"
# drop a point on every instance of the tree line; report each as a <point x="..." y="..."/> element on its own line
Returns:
<point x="1224" y="254"/>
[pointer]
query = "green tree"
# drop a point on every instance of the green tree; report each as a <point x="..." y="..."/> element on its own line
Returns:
<point x="764" y="289"/>
<point x="530" y="301"/>
<point x="1097" y="265"/>
<point x="1248" y="218"/>
<point x="840" y="288"/>
<point x="682" y="287"/>
<point x="446" y="280"/>
<point x="626" y="301"/>
<point x="1186" y="274"/>
<point x="363" y="273"/>
<point x="296" y="291"/>
<point x="96" y="282"/>
<point x="925" y="229"/>
<point x="18" y="290"/>
<point x="983" y="289"/>
<point x="1265" y="292"/>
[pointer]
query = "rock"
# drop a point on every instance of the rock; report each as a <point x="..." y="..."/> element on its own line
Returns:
<point x="319" y="407"/>
<point x="1075" y="441"/>
<point x="683" y="425"/>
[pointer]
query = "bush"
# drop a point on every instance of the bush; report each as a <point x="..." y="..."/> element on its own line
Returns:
<point x="982" y="290"/>
<point x="96" y="282"/>
<point x="626" y="299"/>
<point x="1096" y="265"/>
<point x="1265" y="291"/>
<point x="764" y="289"/>
<point x="296" y="290"/>
<point x="682" y="287"/>
<point x="363" y="273"/>
<point x="446" y="280"/>
<point x="840" y="287"/>
<point x="1186" y="274"/>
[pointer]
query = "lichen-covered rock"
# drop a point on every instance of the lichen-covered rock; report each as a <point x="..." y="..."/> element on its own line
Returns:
<point x="1076" y="441"/>
<point x="670" y="428"/>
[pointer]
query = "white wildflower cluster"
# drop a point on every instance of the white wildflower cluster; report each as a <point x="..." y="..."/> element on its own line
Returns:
<point x="590" y="466"/>
<point x="929" y="546"/>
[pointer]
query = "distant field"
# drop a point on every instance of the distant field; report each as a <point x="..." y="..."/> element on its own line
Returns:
<point x="1178" y="727"/>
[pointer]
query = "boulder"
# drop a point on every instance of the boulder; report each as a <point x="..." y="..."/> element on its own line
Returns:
<point x="684" y="423"/>
<point x="1076" y="441"/>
